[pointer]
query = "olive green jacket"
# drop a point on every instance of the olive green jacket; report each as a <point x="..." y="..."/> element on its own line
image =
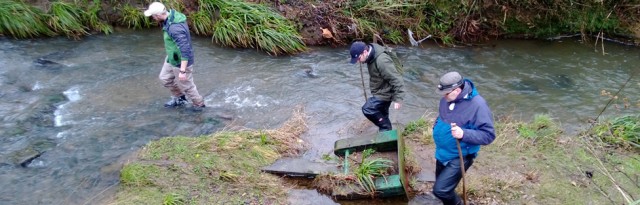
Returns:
<point x="385" y="81"/>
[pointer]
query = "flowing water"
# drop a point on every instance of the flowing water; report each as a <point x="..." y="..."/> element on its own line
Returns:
<point x="73" y="111"/>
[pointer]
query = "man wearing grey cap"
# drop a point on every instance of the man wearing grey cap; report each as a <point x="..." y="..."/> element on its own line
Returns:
<point x="464" y="116"/>
<point x="179" y="59"/>
<point x="385" y="82"/>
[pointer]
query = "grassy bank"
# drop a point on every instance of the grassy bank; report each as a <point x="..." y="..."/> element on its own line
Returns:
<point x="452" y="23"/>
<point x="528" y="163"/>
<point x="535" y="163"/>
<point x="230" y="23"/>
<point x="287" y="27"/>
<point x="222" y="168"/>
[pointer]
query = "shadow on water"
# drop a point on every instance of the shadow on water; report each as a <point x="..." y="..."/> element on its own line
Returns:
<point x="74" y="111"/>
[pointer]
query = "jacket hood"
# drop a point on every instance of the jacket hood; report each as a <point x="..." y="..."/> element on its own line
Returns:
<point x="378" y="48"/>
<point x="468" y="91"/>
<point x="176" y="17"/>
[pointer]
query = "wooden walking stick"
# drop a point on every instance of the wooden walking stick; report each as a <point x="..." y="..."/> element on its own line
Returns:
<point x="363" y="88"/>
<point x="464" y="189"/>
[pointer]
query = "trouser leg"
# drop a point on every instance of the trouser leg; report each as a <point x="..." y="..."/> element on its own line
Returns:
<point x="377" y="111"/>
<point x="447" y="178"/>
<point x="189" y="88"/>
<point x="169" y="75"/>
<point x="168" y="80"/>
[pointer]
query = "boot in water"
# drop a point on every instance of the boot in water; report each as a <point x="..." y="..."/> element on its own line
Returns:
<point x="176" y="102"/>
<point x="197" y="108"/>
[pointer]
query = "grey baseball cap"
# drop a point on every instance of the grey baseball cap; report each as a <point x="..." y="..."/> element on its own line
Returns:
<point x="449" y="81"/>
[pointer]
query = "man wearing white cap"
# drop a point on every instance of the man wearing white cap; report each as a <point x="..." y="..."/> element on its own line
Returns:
<point x="179" y="60"/>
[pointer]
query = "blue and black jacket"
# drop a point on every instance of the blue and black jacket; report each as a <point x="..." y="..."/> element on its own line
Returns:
<point x="471" y="113"/>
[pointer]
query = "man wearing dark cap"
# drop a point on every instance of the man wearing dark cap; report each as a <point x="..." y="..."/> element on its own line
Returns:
<point x="385" y="82"/>
<point x="464" y="116"/>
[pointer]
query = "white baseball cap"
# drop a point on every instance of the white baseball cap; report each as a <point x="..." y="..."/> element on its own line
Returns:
<point x="154" y="8"/>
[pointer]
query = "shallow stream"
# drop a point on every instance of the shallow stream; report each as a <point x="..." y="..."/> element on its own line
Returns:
<point x="73" y="111"/>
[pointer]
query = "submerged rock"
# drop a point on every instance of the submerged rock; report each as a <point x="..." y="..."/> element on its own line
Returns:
<point x="562" y="81"/>
<point x="310" y="71"/>
<point x="525" y="86"/>
<point x="25" y="156"/>
<point x="48" y="64"/>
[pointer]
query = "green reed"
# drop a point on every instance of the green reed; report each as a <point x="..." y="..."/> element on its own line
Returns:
<point x="370" y="168"/>
<point x="621" y="131"/>
<point x="92" y="19"/>
<point x="134" y="18"/>
<point x="67" y="18"/>
<point x="20" y="20"/>
<point x="244" y="25"/>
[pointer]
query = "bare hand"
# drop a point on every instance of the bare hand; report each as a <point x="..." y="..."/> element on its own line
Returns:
<point x="456" y="131"/>
<point x="182" y="76"/>
<point x="396" y="105"/>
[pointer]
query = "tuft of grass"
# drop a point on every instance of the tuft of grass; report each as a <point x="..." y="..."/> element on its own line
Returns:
<point x="243" y="24"/>
<point x="365" y="27"/>
<point x="133" y="18"/>
<point x="420" y="130"/>
<point x="68" y="19"/>
<point x="174" y="199"/>
<point x="370" y="168"/>
<point x="202" y="22"/>
<point x="395" y="36"/>
<point x="377" y="17"/>
<point x="93" y="21"/>
<point x="415" y="127"/>
<point x="621" y="131"/>
<point x="545" y="20"/>
<point x="20" y="20"/>
<point x="541" y="131"/>
<point x="137" y="175"/>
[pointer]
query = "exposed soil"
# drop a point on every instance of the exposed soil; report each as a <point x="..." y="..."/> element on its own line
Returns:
<point x="314" y="17"/>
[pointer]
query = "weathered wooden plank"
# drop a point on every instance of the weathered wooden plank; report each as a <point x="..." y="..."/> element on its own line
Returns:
<point x="404" y="178"/>
<point x="381" y="142"/>
<point x="298" y="167"/>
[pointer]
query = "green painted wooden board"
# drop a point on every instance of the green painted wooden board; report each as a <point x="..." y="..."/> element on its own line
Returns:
<point x="388" y="186"/>
<point x="404" y="178"/>
<point x="381" y="142"/>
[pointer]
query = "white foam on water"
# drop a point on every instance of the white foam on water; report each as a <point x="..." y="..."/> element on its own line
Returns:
<point x="73" y="94"/>
<point x="61" y="135"/>
<point x="244" y="96"/>
<point x="37" y="164"/>
<point x="37" y="86"/>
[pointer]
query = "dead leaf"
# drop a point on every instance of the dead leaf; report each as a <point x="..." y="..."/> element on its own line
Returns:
<point x="326" y="33"/>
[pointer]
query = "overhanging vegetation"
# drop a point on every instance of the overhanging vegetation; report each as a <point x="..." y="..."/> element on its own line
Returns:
<point x="287" y="27"/>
